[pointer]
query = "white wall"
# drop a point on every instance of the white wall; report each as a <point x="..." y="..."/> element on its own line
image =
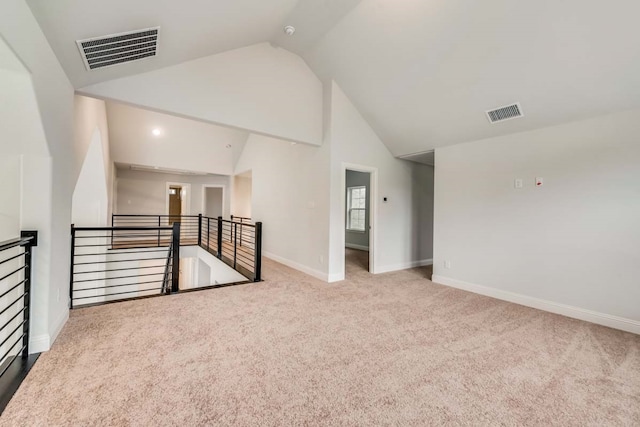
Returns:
<point x="290" y="195"/>
<point x="10" y="176"/>
<point x="298" y="194"/>
<point x="90" y="124"/>
<point x="571" y="243"/>
<point x="183" y="144"/>
<point x="90" y="202"/>
<point x="48" y="183"/>
<point x="403" y="229"/>
<point x="241" y="202"/>
<point x="199" y="268"/>
<point x="145" y="193"/>
<point x="260" y="88"/>
<point x="359" y="239"/>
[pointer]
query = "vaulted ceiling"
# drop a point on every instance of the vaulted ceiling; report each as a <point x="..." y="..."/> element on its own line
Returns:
<point x="422" y="72"/>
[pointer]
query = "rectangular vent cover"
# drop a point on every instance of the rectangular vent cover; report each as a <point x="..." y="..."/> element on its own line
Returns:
<point x="105" y="51"/>
<point x="507" y="112"/>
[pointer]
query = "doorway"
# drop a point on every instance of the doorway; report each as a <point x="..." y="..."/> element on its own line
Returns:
<point x="177" y="200"/>
<point x="175" y="204"/>
<point x="242" y="194"/>
<point x="213" y="201"/>
<point x="357" y="222"/>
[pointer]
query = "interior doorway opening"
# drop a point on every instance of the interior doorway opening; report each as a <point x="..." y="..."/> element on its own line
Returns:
<point x="213" y="201"/>
<point x="177" y="200"/>
<point x="241" y="205"/>
<point x="357" y="222"/>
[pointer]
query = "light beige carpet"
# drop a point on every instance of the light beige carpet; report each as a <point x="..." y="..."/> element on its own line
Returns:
<point x="394" y="349"/>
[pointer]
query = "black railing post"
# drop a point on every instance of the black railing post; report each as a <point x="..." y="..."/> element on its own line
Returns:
<point x="219" y="254"/>
<point x="258" y="253"/>
<point x="208" y="232"/>
<point x="175" y="269"/>
<point x="199" y="229"/>
<point x="71" y="265"/>
<point x="27" y="287"/>
<point x="158" y="230"/>
<point x="235" y="244"/>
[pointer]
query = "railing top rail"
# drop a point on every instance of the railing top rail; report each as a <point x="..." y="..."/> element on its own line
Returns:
<point x="244" y="224"/>
<point x="12" y="243"/>
<point x="154" y="216"/>
<point x="127" y="228"/>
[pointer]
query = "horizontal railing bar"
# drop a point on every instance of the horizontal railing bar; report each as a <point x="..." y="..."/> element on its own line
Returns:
<point x="14" y="257"/>
<point x="121" y="228"/>
<point x="153" y="216"/>
<point x="123" y="253"/>
<point x="151" y="233"/>
<point x="118" y="260"/>
<point x="12" y="319"/>
<point x="116" y="286"/>
<point x="14" y="286"/>
<point x="119" y="293"/>
<point x="12" y="243"/>
<point x="14" y="331"/>
<point x="11" y="305"/>
<point x="126" y="246"/>
<point x="120" y="277"/>
<point x="245" y="258"/>
<point x="124" y="243"/>
<point x="117" y="269"/>
<point x="13" y="272"/>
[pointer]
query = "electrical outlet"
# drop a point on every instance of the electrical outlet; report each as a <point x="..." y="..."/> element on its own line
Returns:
<point x="321" y="259"/>
<point x="447" y="264"/>
<point x="518" y="183"/>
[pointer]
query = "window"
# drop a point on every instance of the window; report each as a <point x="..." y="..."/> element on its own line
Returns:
<point x="356" y="208"/>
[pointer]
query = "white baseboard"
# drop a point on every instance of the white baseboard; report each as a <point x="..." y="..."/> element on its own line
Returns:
<point x="39" y="343"/>
<point x="611" y="321"/>
<point x="303" y="268"/>
<point x="43" y="342"/>
<point x="336" y="277"/>
<point x="58" y="325"/>
<point x="403" y="266"/>
<point x="358" y="247"/>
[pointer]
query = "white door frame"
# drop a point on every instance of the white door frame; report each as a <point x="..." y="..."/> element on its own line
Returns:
<point x="185" y="201"/>
<point x="373" y="212"/>
<point x="204" y="196"/>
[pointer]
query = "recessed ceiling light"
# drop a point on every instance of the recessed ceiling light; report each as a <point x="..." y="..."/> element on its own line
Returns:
<point x="289" y="30"/>
<point x="156" y="132"/>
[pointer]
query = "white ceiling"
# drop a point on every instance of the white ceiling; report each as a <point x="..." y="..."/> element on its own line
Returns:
<point x="182" y="144"/>
<point x="422" y="72"/>
<point x="190" y="29"/>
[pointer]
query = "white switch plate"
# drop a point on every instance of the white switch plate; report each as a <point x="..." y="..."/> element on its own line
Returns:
<point x="447" y="264"/>
<point x="518" y="183"/>
<point x="539" y="182"/>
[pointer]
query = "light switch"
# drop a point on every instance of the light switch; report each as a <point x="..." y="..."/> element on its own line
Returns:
<point x="539" y="182"/>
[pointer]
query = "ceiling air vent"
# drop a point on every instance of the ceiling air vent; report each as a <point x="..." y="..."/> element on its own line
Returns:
<point x="99" y="52"/>
<point x="508" y="112"/>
